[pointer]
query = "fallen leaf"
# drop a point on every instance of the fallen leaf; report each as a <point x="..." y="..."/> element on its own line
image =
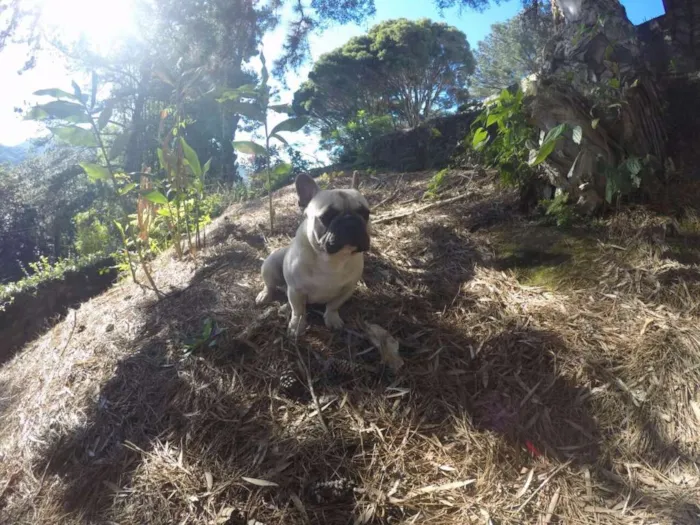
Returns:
<point x="524" y="488"/>
<point x="387" y="345"/>
<point x="430" y="489"/>
<point x="260" y="482"/>
<point x="696" y="409"/>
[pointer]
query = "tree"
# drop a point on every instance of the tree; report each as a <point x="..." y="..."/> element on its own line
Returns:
<point x="512" y="51"/>
<point x="409" y="69"/>
<point x="596" y="79"/>
<point x="596" y="84"/>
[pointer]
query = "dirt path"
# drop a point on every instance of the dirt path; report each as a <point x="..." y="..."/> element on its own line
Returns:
<point x="549" y="377"/>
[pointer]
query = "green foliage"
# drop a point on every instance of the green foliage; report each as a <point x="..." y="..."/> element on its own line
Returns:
<point x="512" y="50"/>
<point x="206" y="338"/>
<point x="43" y="271"/>
<point x="436" y="183"/>
<point x="408" y="70"/>
<point x="348" y="143"/>
<point x="560" y="210"/>
<point x="503" y="136"/>
<point x="92" y="235"/>
<point x="325" y="180"/>
<point x="628" y="176"/>
<point x="259" y="98"/>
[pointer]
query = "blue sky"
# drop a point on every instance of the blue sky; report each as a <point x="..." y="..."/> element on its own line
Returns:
<point x="51" y="72"/>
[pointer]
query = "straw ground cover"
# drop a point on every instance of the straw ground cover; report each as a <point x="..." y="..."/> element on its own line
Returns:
<point x="549" y="377"/>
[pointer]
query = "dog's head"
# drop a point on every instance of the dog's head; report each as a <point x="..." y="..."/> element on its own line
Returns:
<point x="336" y="220"/>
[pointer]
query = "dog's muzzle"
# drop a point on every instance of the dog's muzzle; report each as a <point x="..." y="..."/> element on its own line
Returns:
<point x="348" y="229"/>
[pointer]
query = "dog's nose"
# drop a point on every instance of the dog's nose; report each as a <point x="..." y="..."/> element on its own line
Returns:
<point x="348" y="230"/>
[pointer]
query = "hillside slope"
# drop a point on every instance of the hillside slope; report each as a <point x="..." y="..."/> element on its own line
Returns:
<point x="549" y="377"/>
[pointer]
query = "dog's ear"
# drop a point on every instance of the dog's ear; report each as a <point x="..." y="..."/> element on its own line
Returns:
<point x="355" y="180"/>
<point x="306" y="189"/>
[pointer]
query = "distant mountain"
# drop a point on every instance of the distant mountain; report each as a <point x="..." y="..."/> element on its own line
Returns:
<point x="14" y="154"/>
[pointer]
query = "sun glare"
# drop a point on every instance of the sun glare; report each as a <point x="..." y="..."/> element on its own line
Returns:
<point x="102" y="22"/>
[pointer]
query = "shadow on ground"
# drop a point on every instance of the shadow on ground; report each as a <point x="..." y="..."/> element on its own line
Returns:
<point x="170" y="437"/>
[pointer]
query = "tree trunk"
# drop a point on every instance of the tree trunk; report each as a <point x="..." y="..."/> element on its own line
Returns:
<point x="595" y="77"/>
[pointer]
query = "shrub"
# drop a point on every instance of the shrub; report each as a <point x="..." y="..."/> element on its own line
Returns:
<point x="43" y="270"/>
<point x="348" y="143"/>
<point x="91" y="234"/>
<point x="503" y="137"/>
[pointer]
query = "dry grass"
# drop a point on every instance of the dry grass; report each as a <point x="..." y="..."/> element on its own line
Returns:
<point x="573" y="401"/>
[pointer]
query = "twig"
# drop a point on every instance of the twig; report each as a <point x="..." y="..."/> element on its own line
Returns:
<point x="534" y="493"/>
<point x="312" y="391"/>
<point x="408" y="213"/>
<point x="257" y="323"/>
<point x="391" y="196"/>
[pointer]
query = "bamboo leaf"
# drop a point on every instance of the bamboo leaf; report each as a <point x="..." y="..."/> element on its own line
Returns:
<point x="479" y="138"/>
<point x="281" y="139"/>
<point x="76" y="90"/>
<point x="554" y="133"/>
<point x="126" y="189"/>
<point x="156" y="197"/>
<point x="59" y="109"/>
<point x="544" y="152"/>
<point x="105" y="115"/>
<point x="191" y="157"/>
<point x="282" y="169"/>
<point x="55" y="92"/>
<point x="75" y="136"/>
<point x="248" y="147"/>
<point x="292" y="125"/>
<point x="260" y="482"/>
<point x="95" y="172"/>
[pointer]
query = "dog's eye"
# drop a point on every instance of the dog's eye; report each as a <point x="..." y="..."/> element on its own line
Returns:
<point x="328" y="216"/>
<point x="364" y="213"/>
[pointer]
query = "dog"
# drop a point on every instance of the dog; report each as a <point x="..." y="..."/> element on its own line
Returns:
<point x="325" y="261"/>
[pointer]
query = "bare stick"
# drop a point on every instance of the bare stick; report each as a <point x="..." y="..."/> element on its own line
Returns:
<point x="408" y="213"/>
<point x="312" y="391"/>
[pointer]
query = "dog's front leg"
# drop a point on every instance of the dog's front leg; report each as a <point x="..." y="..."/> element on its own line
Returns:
<point x="331" y="315"/>
<point x="297" y="301"/>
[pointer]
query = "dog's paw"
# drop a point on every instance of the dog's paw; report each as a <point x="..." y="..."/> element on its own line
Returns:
<point x="333" y="320"/>
<point x="296" y="327"/>
<point x="263" y="297"/>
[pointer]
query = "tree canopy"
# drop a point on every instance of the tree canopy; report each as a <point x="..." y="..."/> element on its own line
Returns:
<point x="408" y="69"/>
<point x="512" y="50"/>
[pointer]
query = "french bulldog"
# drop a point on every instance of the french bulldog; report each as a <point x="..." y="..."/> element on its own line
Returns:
<point x="325" y="260"/>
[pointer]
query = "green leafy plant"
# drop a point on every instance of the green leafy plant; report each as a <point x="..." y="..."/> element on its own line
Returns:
<point x="503" y="137"/>
<point x="507" y="140"/>
<point x="436" y="183"/>
<point x="348" y="143"/>
<point x="43" y="271"/>
<point x="81" y="120"/>
<point x="628" y="176"/>
<point x="206" y="338"/>
<point x="91" y="234"/>
<point x="180" y="194"/>
<point x="254" y="104"/>
<point x="559" y="209"/>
